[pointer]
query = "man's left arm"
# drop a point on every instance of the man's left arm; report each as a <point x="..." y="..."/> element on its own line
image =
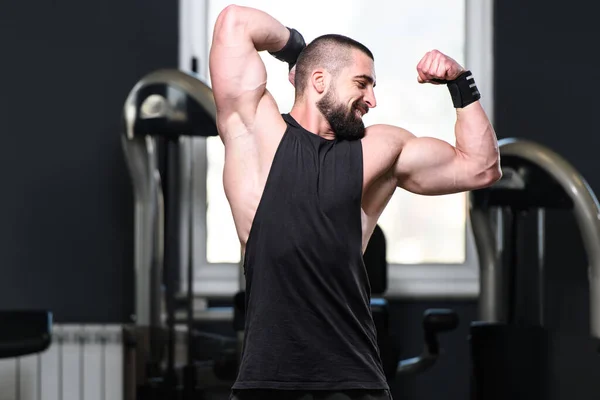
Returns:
<point x="430" y="166"/>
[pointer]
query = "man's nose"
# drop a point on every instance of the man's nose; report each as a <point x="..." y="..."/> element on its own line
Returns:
<point x="370" y="99"/>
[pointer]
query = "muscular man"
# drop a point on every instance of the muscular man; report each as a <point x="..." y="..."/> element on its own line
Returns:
<point x="306" y="190"/>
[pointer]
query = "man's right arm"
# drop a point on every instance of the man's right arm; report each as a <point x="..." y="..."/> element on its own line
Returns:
<point x="238" y="75"/>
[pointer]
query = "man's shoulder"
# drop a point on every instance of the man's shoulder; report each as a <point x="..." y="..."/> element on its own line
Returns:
<point x="386" y="134"/>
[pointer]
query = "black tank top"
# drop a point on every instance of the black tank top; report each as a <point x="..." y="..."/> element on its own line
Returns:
<point x="308" y="317"/>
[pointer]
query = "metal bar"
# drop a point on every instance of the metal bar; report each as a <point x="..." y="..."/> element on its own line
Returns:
<point x="541" y="223"/>
<point x="586" y="208"/>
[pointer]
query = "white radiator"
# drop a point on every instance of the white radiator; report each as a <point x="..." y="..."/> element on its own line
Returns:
<point x="84" y="362"/>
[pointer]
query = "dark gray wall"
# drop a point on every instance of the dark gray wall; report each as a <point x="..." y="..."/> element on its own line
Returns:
<point x="66" y="204"/>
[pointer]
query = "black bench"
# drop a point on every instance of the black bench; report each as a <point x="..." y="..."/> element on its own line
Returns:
<point x="24" y="332"/>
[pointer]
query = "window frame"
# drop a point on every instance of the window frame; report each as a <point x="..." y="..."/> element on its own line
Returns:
<point x="405" y="281"/>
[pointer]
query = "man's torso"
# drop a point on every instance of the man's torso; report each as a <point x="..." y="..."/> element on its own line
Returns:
<point x="308" y="319"/>
<point x="248" y="160"/>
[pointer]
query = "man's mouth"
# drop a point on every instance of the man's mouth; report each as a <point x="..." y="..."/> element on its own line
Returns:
<point x="361" y="111"/>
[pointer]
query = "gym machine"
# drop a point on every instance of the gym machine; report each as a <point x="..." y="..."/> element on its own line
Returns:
<point x="161" y="113"/>
<point x="163" y="110"/>
<point x="514" y="354"/>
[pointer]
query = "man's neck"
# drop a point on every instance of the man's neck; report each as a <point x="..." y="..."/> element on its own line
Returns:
<point x="311" y="119"/>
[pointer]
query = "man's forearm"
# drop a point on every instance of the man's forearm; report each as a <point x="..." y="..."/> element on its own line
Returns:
<point x="476" y="138"/>
<point x="265" y="32"/>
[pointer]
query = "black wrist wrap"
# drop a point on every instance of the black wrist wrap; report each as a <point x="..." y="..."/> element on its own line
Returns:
<point x="463" y="90"/>
<point x="292" y="48"/>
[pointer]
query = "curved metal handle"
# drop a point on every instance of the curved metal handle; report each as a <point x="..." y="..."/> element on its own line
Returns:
<point x="435" y="321"/>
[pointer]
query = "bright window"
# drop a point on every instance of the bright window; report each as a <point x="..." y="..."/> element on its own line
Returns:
<point x="419" y="229"/>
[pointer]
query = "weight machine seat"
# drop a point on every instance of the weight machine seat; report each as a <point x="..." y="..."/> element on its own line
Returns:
<point x="24" y="332"/>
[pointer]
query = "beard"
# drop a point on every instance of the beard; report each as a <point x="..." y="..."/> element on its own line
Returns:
<point x="346" y="125"/>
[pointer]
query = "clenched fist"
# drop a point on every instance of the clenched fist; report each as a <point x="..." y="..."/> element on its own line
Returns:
<point x="437" y="68"/>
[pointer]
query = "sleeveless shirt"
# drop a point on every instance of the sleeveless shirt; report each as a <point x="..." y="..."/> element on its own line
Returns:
<point x="308" y="317"/>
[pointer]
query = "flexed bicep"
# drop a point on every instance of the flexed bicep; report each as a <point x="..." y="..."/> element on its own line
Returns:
<point x="431" y="166"/>
<point x="238" y="75"/>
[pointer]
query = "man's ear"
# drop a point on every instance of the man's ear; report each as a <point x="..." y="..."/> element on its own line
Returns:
<point x="318" y="80"/>
<point x="292" y="76"/>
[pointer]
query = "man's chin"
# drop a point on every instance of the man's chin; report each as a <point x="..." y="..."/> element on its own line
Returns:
<point x="352" y="132"/>
<point x="346" y="125"/>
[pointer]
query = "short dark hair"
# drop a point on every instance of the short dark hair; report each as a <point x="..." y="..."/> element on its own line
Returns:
<point x="331" y="51"/>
